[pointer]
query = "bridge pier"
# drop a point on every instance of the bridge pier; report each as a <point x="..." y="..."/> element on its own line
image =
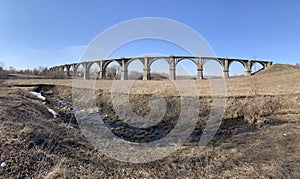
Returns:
<point x="248" y="68"/>
<point x="200" y="68"/>
<point x="101" y="70"/>
<point x="226" y="69"/>
<point x="225" y="73"/>
<point x="172" y="69"/>
<point x="86" y="75"/>
<point x="199" y="74"/>
<point x="100" y="74"/>
<point x="146" y="74"/>
<point x="124" y="70"/>
<point x="146" y="70"/>
<point x="68" y="72"/>
<point x="86" y="71"/>
<point x="124" y="74"/>
<point x="172" y="75"/>
<point x="248" y="73"/>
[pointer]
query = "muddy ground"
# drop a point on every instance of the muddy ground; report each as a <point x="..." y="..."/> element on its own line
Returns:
<point x="258" y="137"/>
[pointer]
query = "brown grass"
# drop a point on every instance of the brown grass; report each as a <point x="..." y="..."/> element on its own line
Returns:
<point x="33" y="144"/>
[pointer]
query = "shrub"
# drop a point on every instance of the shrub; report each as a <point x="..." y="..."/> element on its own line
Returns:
<point x="256" y="108"/>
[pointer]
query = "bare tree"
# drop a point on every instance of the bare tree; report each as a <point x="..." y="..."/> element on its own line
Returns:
<point x="113" y="72"/>
<point x="2" y="65"/>
<point x="12" y="69"/>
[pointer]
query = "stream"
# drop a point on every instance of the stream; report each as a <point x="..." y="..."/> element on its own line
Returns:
<point x="63" y="109"/>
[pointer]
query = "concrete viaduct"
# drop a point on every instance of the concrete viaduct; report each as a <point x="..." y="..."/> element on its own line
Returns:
<point x="148" y="61"/>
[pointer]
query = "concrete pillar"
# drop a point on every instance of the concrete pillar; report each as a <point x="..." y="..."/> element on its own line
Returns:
<point x="226" y="69"/>
<point x="86" y="71"/>
<point x="74" y="70"/>
<point x="68" y="71"/>
<point x="200" y="69"/>
<point x="100" y="73"/>
<point x="225" y="73"/>
<point x="247" y="73"/>
<point x="124" y="73"/>
<point x="248" y="68"/>
<point x="124" y="70"/>
<point x="146" y="72"/>
<point x="172" y="74"/>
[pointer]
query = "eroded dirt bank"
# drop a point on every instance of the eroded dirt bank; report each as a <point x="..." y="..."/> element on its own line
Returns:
<point x="259" y="137"/>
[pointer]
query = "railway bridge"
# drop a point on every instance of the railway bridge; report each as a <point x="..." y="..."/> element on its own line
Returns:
<point x="148" y="61"/>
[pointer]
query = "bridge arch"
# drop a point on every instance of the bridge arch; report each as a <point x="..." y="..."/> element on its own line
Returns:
<point x="187" y="69"/>
<point x="93" y="63"/>
<point x="137" y="72"/>
<point x="152" y="60"/>
<point x="237" y="68"/>
<point x="106" y="63"/>
<point x="190" y="59"/>
<point x="79" y="67"/>
<point x="133" y="60"/>
<point x="79" y="70"/>
<point x="93" y="69"/>
<point x="213" y="69"/>
<point x="163" y="72"/>
<point x="243" y="63"/>
<point x="110" y="73"/>
<point x="211" y="61"/>
<point x="257" y="66"/>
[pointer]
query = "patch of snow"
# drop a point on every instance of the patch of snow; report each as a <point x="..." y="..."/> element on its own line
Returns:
<point x="52" y="112"/>
<point x="3" y="165"/>
<point x="39" y="95"/>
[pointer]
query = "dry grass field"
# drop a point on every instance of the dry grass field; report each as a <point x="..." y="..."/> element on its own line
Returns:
<point x="259" y="136"/>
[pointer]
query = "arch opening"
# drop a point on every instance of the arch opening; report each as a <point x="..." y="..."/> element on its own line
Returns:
<point x="186" y="69"/>
<point x="159" y="70"/>
<point x="80" y="71"/>
<point x="135" y="70"/>
<point x="112" y="71"/>
<point x="94" y="70"/>
<point x="236" y="69"/>
<point x="212" y="69"/>
<point x="71" y="71"/>
<point x="256" y="67"/>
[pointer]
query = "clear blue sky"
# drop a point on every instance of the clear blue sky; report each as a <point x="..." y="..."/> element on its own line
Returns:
<point x="51" y="32"/>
